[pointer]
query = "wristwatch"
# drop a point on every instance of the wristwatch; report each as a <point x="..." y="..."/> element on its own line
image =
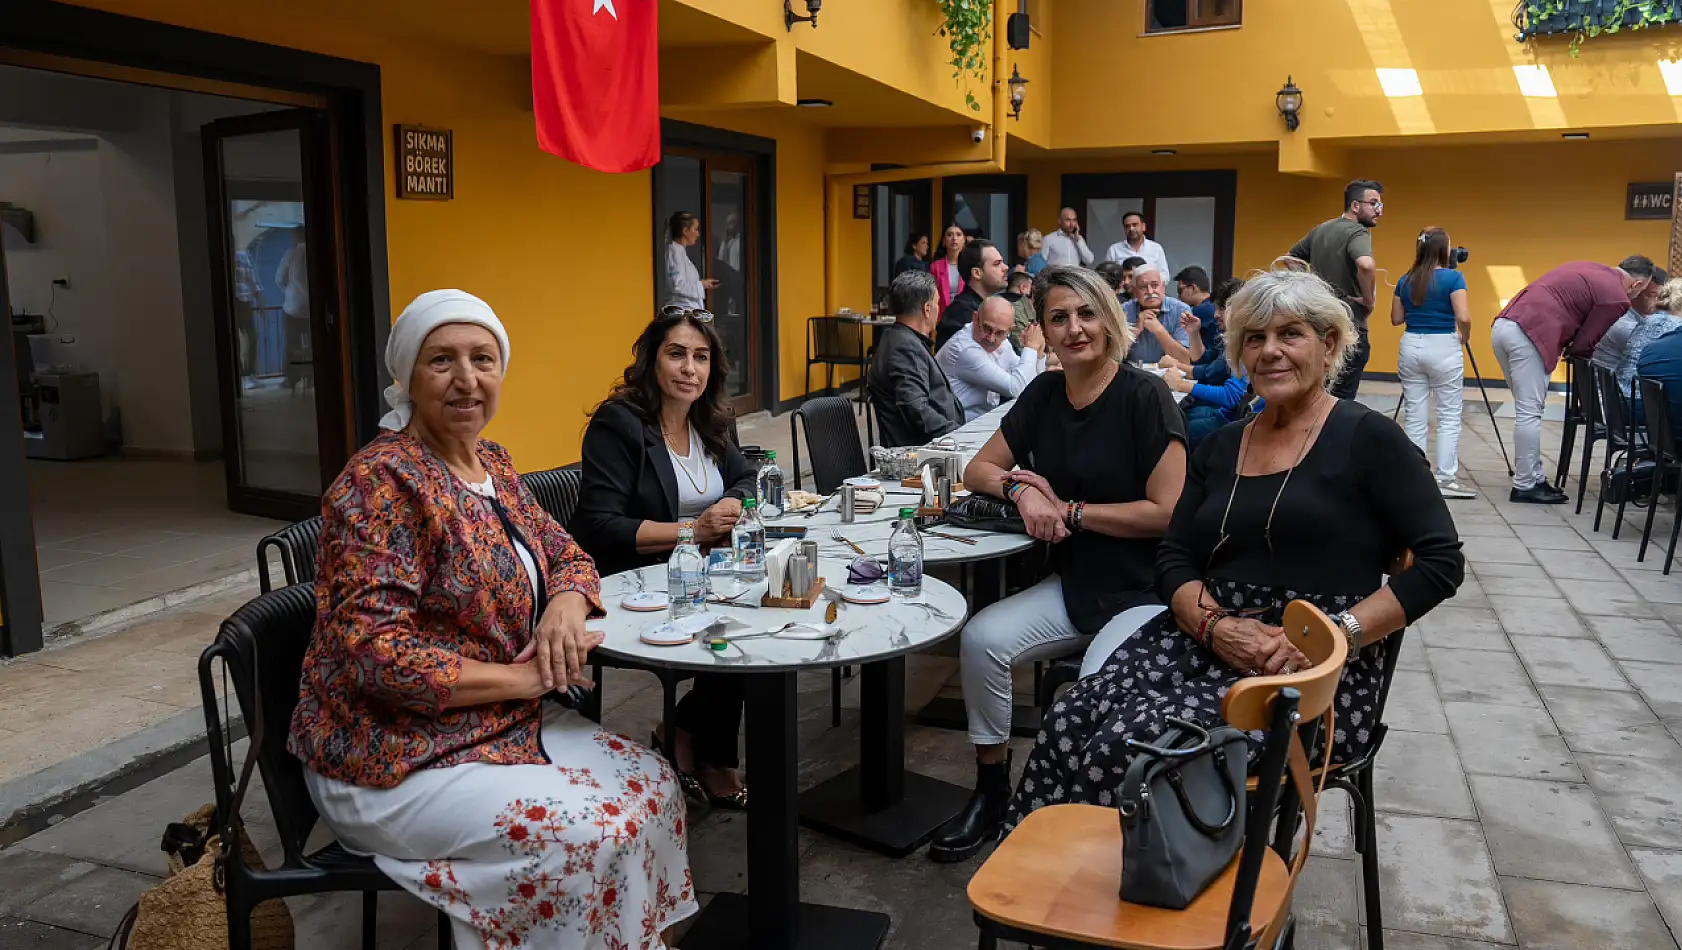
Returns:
<point x="1351" y="630"/>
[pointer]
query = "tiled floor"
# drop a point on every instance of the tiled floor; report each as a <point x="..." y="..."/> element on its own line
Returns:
<point x="113" y="532"/>
<point x="1529" y="793"/>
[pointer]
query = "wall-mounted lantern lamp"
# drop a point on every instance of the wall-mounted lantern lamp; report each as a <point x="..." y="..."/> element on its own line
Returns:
<point x="789" y="19"/>
<point x="1289" y="101"/>
<point x="1018" y="92"/>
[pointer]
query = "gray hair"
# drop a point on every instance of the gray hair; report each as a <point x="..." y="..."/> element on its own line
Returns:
<point x="1148" y="268"/>
<point x="910" y="291"/>
<point x="1269" y="295"/>
<point x="1095" y="294"/>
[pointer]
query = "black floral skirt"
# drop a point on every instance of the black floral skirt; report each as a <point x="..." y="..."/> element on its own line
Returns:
<point x="1081" y="754"/>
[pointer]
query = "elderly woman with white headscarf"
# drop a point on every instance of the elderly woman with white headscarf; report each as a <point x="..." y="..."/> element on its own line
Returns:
<point x="449" y="603"/>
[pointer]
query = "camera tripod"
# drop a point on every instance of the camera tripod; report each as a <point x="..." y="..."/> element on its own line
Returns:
<point x="1487" y="407"/>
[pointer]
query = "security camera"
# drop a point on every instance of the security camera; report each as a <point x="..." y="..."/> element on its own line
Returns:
<point x="978" y="134"/>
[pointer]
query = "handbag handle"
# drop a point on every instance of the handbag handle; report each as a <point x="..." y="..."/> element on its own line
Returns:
<point x="1190" y="811"/>
<point x="1160" y="752"/>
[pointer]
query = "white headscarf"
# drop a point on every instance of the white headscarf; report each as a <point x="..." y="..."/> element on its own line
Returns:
<point x="426" y="313"/>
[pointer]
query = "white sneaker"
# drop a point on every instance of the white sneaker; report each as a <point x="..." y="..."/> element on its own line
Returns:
<point x="1453" y="490"/>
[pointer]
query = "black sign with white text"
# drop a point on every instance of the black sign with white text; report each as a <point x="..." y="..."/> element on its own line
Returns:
<point x="1648" y="200"/>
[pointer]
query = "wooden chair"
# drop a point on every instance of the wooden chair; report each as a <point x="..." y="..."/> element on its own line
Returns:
<point x="1054" y="881"/>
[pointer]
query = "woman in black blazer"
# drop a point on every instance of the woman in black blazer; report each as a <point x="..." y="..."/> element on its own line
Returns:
<point x="656" y="455"/>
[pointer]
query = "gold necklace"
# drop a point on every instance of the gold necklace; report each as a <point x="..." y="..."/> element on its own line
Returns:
<point x="1104" y="379"/>
<point x="683" y="464"/>
<point x="1238" y="475"/>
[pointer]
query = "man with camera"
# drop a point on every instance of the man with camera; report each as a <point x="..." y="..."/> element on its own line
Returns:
<point x="1340" y="251"/>
<point x="1565" y="311"/>
<point x="1065" y="247"/>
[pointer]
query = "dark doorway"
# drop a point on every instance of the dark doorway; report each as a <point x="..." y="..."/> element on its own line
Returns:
<point x="280" y="348"/>
<point x="723" y="179"/>
<point x="901" y="212"/>
<point x="994" y="207"/>
<point x="1191" y="214"/>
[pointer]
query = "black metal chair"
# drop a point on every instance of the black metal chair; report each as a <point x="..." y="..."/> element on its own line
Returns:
<point x="832" y="440"/>
<point x="1625" y="439"/>
<point x="1589" y="414"/>
<point x="262" y="648"/>
<point x="832" y="342"/>
<point x="1576" y="414"/>
<point x="556" y="489"/>
<point x="1667" y="459"/>
<point x="295" y="546"/>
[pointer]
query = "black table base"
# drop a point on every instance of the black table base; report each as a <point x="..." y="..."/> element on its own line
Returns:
<point x="836" y="808"/>
<point x="723" y="925"/>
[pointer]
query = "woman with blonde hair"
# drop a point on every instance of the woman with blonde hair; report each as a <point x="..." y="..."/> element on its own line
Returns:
<point x="1666" y="319"/>
<point x="1309" y="500"/>
<point x="1028" y="248"/>
<point x="1103" y="456"/>
<point x="1430" y="302"/>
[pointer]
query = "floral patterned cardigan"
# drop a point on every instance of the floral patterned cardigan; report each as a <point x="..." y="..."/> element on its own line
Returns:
<point x="416" y="572"/>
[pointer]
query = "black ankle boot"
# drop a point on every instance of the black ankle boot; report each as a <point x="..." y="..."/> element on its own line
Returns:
<point x="981" y="820"/>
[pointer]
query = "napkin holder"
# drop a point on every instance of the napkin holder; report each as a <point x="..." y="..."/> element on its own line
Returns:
<point x="789" y="599"/>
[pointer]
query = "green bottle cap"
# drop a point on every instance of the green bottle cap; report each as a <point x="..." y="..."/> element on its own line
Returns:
<point x="771" y="455"/>
<point x="750" y="503"/>
<point x="908" y="512"/>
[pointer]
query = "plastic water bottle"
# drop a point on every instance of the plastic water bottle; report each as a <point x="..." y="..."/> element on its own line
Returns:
<point x="686" y="575"/>
<point x="748" y="538"/>
<point x="905" y="556"/>
<point x="770" y="488"/>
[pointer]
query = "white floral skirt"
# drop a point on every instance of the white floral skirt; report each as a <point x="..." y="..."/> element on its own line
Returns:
<point x="587" y="853"/>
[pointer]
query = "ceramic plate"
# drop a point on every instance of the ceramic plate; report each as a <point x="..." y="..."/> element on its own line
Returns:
<point x="864" y="593"/>
<point x="667" y="635"/>
<point x="863" y="482"/>
<point x="646" y="601"/>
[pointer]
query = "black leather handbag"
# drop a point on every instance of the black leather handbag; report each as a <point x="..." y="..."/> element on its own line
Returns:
<point x="985" y="513"/>
<point x="1182" y="813"/>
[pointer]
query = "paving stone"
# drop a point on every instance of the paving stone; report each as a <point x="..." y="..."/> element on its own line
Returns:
<point x="1477" y="676"/>
<point x="1522" y="514"/>
<point x="1462" y="628"/>
<point x="1332" y="837"/>
<point x="1662" y="871"/>
<point x="1550" y="831"/>
<point x="26" y="877"/>
<point x="1413" y="653"/>
<point x="1327" y="904"/>
<point x="1579" y="710"/>
<point x="1563" y="662"/>
<point x="1643" y="797"/>
<point x="1437" y="878"/>
<point x="1402" y="940"/>
<point x="1586" y="567"/>
<point x="1497" y="586"/>
<point x="1605" y="598"/>
<point x="1660" y="684"/>
<point x="1413" y="704"/>
<point x="1550" y="538"/>
<point x="1537" y="616"/>
<point x="334" y="921"/>
<point x="1470" y="594"/>
<point x="1508" y="551"/>
<point x="1419" y="773"/>
<point x="1484" y="570"/>
<point x="1484" y="528"/>
<point x="1656" y="587"/>
<point x="1644" y="742"/>
<point x="1551" y="916"/>
<point x="93" y="903"/>
<point x="1511" y="741"/>
<point x="18" y="934"/>
<point x="1627" y="638"/>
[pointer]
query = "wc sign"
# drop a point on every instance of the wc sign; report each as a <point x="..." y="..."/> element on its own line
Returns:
<point x="425" y="163"/>
<point x="1648" y="201"/>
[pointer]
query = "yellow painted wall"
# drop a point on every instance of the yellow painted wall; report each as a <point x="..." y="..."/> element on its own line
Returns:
<point x="1218" y="86"/>
<point x="1520" y="209"/>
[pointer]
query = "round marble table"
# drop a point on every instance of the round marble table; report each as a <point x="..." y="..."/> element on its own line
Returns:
<point x="871" y="533"/>
<point x="879" y="793"/>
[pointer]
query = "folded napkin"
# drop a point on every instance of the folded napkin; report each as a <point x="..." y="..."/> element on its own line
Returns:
<point x="801" y="500"/>
<point x="868" y="500"/>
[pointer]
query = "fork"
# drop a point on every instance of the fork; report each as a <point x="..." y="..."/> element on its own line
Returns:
<point x="837" y="536"/>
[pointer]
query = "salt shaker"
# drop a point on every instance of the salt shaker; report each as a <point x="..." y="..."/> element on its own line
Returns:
<point x="849" y="512"/>
<point x="944" y="486"/>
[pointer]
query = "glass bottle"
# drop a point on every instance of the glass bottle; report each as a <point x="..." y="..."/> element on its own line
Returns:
<point x="686" y="578"/>
<point x="748" y="538"/>
<point x="905" y="556"/>
<point x="770" y="487"/>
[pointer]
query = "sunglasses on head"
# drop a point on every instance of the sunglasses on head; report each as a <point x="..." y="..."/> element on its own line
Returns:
<point x="703" y="316"/>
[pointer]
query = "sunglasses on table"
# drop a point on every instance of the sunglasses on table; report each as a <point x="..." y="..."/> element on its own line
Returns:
<point x="703" y="316"/>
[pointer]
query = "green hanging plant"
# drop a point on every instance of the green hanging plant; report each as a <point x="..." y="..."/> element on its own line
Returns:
<point x="968" y="26"/>
<point x="1586" y="19"/>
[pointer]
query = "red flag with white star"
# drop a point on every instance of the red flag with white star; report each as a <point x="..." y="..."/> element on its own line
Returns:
<point x="595" y="81"/>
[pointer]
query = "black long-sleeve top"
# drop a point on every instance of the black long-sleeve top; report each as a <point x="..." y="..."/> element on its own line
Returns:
<point x="1361" y="495"/>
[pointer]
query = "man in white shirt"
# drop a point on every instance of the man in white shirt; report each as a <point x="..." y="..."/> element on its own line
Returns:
<point x="981" y="364"/>
<point x="1065" y="247"/>
<point x="1135" y="244"/>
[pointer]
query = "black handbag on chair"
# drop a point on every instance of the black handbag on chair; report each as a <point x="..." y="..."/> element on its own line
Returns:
<point x="1182" y="813"/>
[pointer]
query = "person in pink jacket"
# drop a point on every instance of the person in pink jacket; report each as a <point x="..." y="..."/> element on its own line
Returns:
<point x="949" y="282"/>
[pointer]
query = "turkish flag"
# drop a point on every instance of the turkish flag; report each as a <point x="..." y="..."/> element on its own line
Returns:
<point x="595" y="81"/>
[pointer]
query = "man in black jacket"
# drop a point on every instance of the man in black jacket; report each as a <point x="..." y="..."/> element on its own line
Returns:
<point x="985" y="274"/>
<point x="914" y="402"/>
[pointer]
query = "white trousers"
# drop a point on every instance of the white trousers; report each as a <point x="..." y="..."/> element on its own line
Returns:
<point x="1029" y="626"/>
<point x="1527" y="380"/>
<point x="1430" y="366"/>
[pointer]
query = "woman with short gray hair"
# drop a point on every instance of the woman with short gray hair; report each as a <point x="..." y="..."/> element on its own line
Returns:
<point x="1310" y="500"/>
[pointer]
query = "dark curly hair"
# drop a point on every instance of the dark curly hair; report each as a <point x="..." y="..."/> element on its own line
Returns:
<point x="639" y="389"/>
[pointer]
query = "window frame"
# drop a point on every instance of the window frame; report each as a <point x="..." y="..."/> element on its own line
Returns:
<point x="1195" y="23"/>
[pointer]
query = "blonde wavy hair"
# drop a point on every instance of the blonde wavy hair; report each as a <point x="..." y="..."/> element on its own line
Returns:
<point x="1034" y="239"/>
<point x="1271" y="294"/>
<point x="1095" y="294"/>
<point x="1670" y="297"/>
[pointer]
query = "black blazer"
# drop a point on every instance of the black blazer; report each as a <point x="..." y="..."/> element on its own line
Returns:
<point x="629" y="479"/>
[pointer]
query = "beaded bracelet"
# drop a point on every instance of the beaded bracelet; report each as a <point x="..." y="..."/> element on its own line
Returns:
<point x="1080" y="514"/>
<point x="1206" y="628"/>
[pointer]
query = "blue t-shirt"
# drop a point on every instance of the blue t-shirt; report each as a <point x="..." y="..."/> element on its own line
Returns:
<point x="1662" y="360"/>
<point x="1210" y="329"/>
<point x="1436" y="314"/>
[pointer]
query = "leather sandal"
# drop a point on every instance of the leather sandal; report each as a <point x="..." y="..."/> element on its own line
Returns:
<point x="688" y="783"/>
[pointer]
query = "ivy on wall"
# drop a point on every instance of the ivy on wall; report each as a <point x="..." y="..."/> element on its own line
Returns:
<point x="1586" y="19"/>
<point x="968" y="26"/>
